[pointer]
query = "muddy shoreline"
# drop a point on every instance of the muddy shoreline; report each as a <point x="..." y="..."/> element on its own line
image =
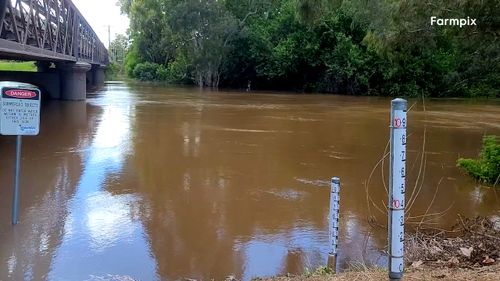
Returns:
<point x="470" y="250"/>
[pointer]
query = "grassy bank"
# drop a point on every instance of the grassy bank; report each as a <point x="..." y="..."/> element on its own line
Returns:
<point x="28" y="66"/>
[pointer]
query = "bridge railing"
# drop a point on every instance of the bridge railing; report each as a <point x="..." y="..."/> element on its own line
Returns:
<point x="48" y="29"/>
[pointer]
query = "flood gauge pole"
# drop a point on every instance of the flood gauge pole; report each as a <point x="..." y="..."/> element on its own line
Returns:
<point x="397" y="179"/>
<point x="333" y="223"/>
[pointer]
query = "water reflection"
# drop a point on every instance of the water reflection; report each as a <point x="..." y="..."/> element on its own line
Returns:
<point x="50" y="169"/>
<point x="102" y="226"/>
<point x="239" y="184"/>
<point x="265" y="255"/>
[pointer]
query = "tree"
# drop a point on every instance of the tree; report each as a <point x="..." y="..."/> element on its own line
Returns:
<point x="385" y="47"/>
<point x="118" y="48"/>
<point x="206" y="29"/>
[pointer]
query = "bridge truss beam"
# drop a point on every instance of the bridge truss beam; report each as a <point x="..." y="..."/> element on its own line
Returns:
<point x="48" y="30"/>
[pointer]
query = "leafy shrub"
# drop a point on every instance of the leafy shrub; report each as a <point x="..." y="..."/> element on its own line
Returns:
<point x="131" y="60"/>
<point x="113" y="71"/>
<point x="148" y="71"/>
<point x="487" y="168"/>
<point x="178" y="70"/>
<point x="161" y="73"/>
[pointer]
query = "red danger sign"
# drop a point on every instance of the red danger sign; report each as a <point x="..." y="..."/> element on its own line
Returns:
<point x="21" y="94"/>
<point x="19" y="109"/>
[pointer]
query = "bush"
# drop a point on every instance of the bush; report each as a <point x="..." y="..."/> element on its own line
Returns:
<point x="178" y="70"/>
<point x="487" y="168"/>
<point x="131" y="60"/>
<point x="113" y="71"/>
<point x="148" y="71"/>
<point x="161" y="73"/>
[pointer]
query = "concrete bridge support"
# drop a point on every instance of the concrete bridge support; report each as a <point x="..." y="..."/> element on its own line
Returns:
<point x="73" y="80"/>
<point x="49" y="82"/>
<point x="98" y="72"/>
<point x="65" y="81"/>
<point x="90" y="81"/>
<point x="95" y="78"/>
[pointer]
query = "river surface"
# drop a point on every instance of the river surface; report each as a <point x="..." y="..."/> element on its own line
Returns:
<point x="143" y="182"/>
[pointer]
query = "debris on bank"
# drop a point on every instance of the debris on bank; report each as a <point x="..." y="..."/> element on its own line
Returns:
<point x="471" y="243"/>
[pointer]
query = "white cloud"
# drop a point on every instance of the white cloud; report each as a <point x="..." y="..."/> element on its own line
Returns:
<point x="103" y="13"/>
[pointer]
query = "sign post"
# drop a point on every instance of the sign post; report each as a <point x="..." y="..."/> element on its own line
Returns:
<point x="15" y="196"/>
<point x="397" y="187"/>
<point x="19" y="116"/>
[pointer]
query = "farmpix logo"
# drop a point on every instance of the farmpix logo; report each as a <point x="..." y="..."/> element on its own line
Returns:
<point x="453" y="22"/>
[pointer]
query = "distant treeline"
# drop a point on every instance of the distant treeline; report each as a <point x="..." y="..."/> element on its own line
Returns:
<point x="359" y="47"/>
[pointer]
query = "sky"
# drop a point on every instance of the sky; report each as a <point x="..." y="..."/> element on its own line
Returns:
<point x="103" y="13"/>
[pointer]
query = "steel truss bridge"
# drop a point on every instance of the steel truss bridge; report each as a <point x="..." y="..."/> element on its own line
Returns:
<point x="48" y="30"/>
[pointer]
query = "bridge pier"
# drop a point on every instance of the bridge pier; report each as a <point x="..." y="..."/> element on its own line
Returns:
<point x="49" y="81"/>
<point x="44" y="66"/>
<point x="95" y="78"/>
<point x="98" y="73"/>
<point x="73" y="80"/>
<point x="66" y="81"/>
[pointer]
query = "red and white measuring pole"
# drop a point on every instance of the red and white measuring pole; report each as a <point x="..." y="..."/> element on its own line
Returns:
<point x="397" y="182"/>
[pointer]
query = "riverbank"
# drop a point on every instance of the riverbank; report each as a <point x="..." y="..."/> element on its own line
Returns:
<point x="490" y="273"/>
<point x="470" y="250"/>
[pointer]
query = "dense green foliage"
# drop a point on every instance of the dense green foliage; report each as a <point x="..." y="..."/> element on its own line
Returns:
<point x="487" y="167"/>
<point x="384" y="47"/>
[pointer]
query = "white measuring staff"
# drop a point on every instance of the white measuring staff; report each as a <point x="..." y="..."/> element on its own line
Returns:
<point x="397" y="184"/>
<point x="333" y="221"/>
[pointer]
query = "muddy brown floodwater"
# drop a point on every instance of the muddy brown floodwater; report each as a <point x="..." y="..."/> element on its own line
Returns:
<point x="161" y="183"/>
